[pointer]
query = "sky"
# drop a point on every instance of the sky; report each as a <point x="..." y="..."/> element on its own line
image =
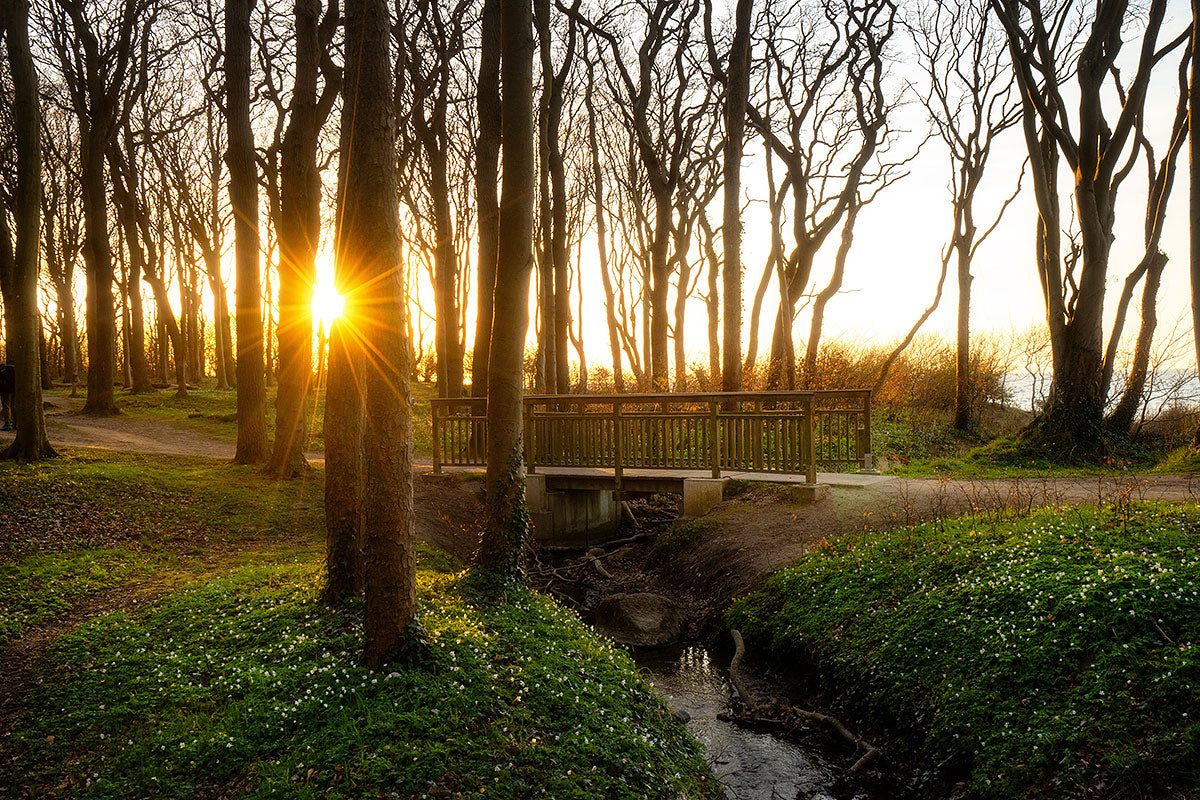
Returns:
<point x="893" y="268"/>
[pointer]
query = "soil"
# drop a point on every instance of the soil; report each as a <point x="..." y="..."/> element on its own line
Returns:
<point x="706" y="562"/>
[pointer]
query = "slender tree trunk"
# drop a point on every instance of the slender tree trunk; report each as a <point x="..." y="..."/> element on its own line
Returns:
<point x="243" y="197"/>
<point x="962" y="360"/>
<point x="19" y="264"/>
<point x="1194" y="187"/>
<point x="501" y="549"/>
<point x="812" y="346"/>
<point x="487" y="157"/>
<point x="660" y="276"/>
<point x="369" y="238"/>
<point x="737" y="92"/>
<point x="614" y="336"/>
<point x="1121" y="419"/>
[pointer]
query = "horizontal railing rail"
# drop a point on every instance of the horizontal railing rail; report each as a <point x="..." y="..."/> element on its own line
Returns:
<point x="795" y="433"/>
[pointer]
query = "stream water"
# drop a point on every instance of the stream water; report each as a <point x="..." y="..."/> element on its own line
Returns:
<point x="750" y="765"/>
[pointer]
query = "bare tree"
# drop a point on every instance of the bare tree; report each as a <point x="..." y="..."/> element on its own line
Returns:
<point x="369" y="241"/>
<point x="1160" y="178"/>
<point x="96" y="47"/>
<point x="300" y="227"/>
<point x="501" y="547"/>
<point x="487" y="159"/>
<point x="1040" y="41"/>
<point x="19" y="258"/>
<point x="826" y="118"/>
<point x="243" y="197"/>
<point x="969" y="100"/>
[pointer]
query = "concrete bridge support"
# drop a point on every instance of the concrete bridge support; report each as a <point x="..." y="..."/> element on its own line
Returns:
<point x="573" y="516"/>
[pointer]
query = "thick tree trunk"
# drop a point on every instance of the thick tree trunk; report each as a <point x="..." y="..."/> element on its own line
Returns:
<point x="343" y="468"/>
<point x="369" y="239"/>
<point x="98" y="260"/>
<point x="487" y="159"/>
<point x="243" y="198"/>
<point x="299" y="238"/>
<point x="19" y="264"/>
<point x="501" y="548"/>
<point x="737" y="91"/>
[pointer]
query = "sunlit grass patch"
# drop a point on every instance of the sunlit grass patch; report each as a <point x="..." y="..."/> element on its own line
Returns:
<point x="250" y="685"/>
<point x="1056" y="655"/>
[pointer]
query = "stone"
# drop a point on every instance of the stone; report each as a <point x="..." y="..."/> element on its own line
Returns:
<point x="641" y="619"/>
<point x="701" y="494"/>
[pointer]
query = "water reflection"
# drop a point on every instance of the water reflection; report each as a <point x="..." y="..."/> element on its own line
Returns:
<point x="749" y="765"/>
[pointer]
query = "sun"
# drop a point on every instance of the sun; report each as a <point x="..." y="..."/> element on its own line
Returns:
<point x="327" y="305"/>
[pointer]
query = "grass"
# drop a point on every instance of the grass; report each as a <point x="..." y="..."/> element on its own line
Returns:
<point x="249" y="686"/>
<point x="1051" y="656"/>
<point x="203" y="407"/>
<point x="87" y="521"/>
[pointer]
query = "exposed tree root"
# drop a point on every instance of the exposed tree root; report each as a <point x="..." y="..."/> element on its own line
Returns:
<point x="786" y="716"/>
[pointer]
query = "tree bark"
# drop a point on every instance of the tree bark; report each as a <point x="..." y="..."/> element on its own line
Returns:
<point x="487" y="159"/>
<point x="299" y="239"/>
<point x="19" y="264"/>
<point x="737" y="91"/>
<point x="501" y="548"/>
<point x="243" y="197"/>
<point x="1194" y="188"/>
<point x="369" y="239"/>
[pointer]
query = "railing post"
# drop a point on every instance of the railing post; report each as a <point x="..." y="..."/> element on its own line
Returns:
<point x="756" y="436"/>
<point x="437" y="439"/>
<point x="530" y="467"/>
<point x="618" y="448"/>
<point x="715" y="437"/>
<point x="810" y="446"/>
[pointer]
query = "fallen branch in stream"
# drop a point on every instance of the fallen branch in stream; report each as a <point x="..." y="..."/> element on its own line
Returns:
<point x="787" y="716"/>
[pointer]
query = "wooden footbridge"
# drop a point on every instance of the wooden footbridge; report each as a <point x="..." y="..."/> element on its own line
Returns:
<point x="583" y="451"/>
<point x="768" y="433"/>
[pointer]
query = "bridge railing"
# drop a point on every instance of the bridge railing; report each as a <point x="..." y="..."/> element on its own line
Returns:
<point x="795" y="433"/>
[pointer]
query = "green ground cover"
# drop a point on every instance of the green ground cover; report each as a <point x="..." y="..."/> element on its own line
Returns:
<point x="87" y="521"/>
<point x="248" y="686"/>
<point x="1056" y="655"/>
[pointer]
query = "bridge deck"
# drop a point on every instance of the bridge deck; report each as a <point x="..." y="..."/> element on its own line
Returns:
<point x="671" y="480"/>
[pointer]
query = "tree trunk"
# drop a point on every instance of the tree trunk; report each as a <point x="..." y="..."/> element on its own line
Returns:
<point x="1194" y="188"/>
<point x="343" y="469"/>
<point x="243" y="198"/>
<point x="1121" y="419"/>
<point x="299" y="237"/>
<point x="812" y="346"/>
<point x="487" y="158"/>
<point x="614" y="336"/>
<point x="962" y="360"/>
<point x="737" y="91"/>
<point x="501" y="548"/>
<point x="660" y="276"/>
<point x="369" y="239"/>
<point x="19" y="264"/>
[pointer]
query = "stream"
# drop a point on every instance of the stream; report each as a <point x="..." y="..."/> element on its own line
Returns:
<point x="694" y="680"/>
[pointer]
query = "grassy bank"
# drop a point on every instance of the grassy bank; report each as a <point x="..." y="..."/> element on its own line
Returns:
<point x="1056" y="655"/>
<point x="247" y="686"/>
